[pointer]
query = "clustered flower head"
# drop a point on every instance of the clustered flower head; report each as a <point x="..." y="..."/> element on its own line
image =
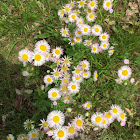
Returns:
<point x="85" y="30"/>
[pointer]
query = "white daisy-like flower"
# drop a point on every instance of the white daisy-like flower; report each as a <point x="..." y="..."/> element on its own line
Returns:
<point x="58" y="62"/>
<point x="77" y="39"/>
<point x="87" y="105"/>
<point x="71" y="131"/>
<point x="115" y="111"/>
<point x="111" y="50"/>
<point x="124" y="72"/>
<point x="73" y="87"/>
<point x="25" y="56"/>
<point x="47" y="55"/>
<point x="52" y="58"/>
<point x="86" y="29"/>
<point x="96" y="30"/>
<point x="54" y="94"/>
<point x="64" y="69"/>
<point x="91" y="17"/>
<point x="105" y="123"/>
<point x="57" y="52"/>
<point x="81" y="3"/>
<point x="86" y="74"/>
<point x="48" y="80"/>
<point x="78" y="32"/>
<point x="10" y="137"/>
<point x="72" y="42"/>
<point x="61" y="13"/>
<point x="118" y="81"/>
<point x="42" y="46"/>
<point x="44" y="125"/>
<point x="79" y="21"/>
<point x="104" y="45"/>
<point x="64" y="32"/>
<point x="66" y="20"/>
<point x="60" y="133"/>
<point x="104" y="37"/>
<point x="122" y="117"/>
<point x="78" y="71"/>
<point x="77" y="79"/>
<point x="78" y="123"/>
<point x="95" y="76"/>
<point x="76" y="11"/>
<point x="67" y="75"/>
<point x="107" y="5"/>
<point x="28" y="124"/>
<point x="95" y="48"/>
<point x="88" y="43"/>
<point x="88" y="10"/>
<point x="64" y="81"/>
<point x="85" y="64"/>
<point x="93" y="4"/>
<point x="23" y="137"/>
<point x="64" y="88"/>
<point x="109" y="117"/>
<point x="33" y="134"/>
<point x="73" y="17"/>
<point x="67" y="99"/>
<point x="67" y="9"/>
<point x="97" y="118"/>
<point x="39" y="59"/>
<point x="72" y="3"/>
<point x="56" y="73"/>
<point x="66" y="61"/>
<point x="55" y="118"/>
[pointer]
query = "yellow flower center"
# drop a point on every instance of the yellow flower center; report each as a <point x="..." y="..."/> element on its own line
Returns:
<point x="85" y="29"/>
<point x="65" y="81"/>
<point x="81" y="3"/>
<point x="73" y="16"/>
<point x="71" y="4"/>
<point x="77" y="71"/>
<point x="115" y="110"/>
<point x="64" y="68"/>
<point x="104" y="36"/>
<point x="28" y="124"/>
<point x="72" y="41"/>
<point x="73" y="86"/>
<point x="112" y="51"/>
<point x="47" y="55"/>
<point x="67" y="9"/>
<point x="108" y="4"/>
<point x="104" y="45"/>
<point x="64" y="32"/>
<point x="9" y="139"/>
<point x="33" y="135"/>
<point x="122" y="115"/>
<point x="66" y="75"/>
<point x="104" y="122"/>
<point x="62" y="12"/>
<point x="43" y="48"/>
<point x="57" y="62"/>
<point x="49" y="79"/>
<point x="37" y="57"/>
<point x="92" y="4"/>
<point x="94" y="49"/>
<point x="79" y="32"/>
<point x="88" y="105"/>
<point x="77" y="78"/>
<point x="57" y="52"/>
<point x="86" y="74"/>
<point x="98" y="119"/>
<point x="96" y="29"/>
<point x="56" y="119"/>
<point x="66" y="61"/>
<point x="79" y="123"/>
<point x="40" y="133"/>
<point x="64" y="88"/>
<point x="84" y="65"/>
<point x="45" y="124"/>
<point x="60" y="134"/>
<point x="125" y="73"/>
<point x="91" y="16"/>
<point x="25" y="57"/>
<point x="54" y="94"/>
<point x="80" y="22"/>
<point x="56" y="73"/>
<point x="108" y="115"/>
<point x="71" y="130"/>
<point x="96" y="76"/>
<point x="89" y="11"/>
<point x="67" y="98"/>
<point x="78" y="38"/>
<point x="88" y="42"/>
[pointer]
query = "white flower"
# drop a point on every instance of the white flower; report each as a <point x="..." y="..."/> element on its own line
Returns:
<point x="73" y="17"/>
<point x="79" y="21"/>
<point x="77" y="39"/>
<point x="122" y="117"/>
<point x="73" y="87"/>
<point x="78" y="71"/>
<point x="91" y="17"/>
<point x="86" y="75"/>
<point x="107" y="5"/>
<point x="86" y="29"/>
<point x="10" y="137"/>
<point x="95" y="48"/>
<point x="104" y="37"/>
<point x="109" y="117"/>
<point x="111" y="50"/>
<point x="64" y="32"/>
<point x="78" y="32"/>
<point x="61" y="13"/>
<point x="77" y="79"/>
<point x="54" y="94"/>
<point x="104" y="45"/>
<point x="124" y="72"/>
<point x="85" y="64"/>
<point x="55" y="118"/>
<point x="28" y="124"/>
<point x="57" y="52"/>
<point x="92" y="4"/>
<point x="96" y="30"/>
<point x="105" y="123"/>
<point x="95" y="76"/>
<point x="33" y="134"/>
<point x="97" y="118"/>
<point x="48" y="80"/>
<point x="71" y="131"/>
<point x="87" y="105"/>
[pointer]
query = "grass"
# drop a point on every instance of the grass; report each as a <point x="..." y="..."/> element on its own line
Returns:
<point x="24" y="22"/>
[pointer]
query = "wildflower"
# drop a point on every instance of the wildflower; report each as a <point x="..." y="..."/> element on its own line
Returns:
<point x="86" y="75"/>
<point x="64" y="88"/>
<point x="64" y="81"/>
<point x="71" y="131"/>
<point x="86" y="29"/>
<point x="126" y="61"/>
<point x="67" y="99"/>
<point x="64" y="69"/>
<point x="109" y="117"/>
<point x="77" y="39"/>
<point x="107" y="4"/>
<point x="95" y="48"/>
<point x="132" y="80"/>
<point x="85" y="64"/>
<point x="60" y="133"/>
<point x="71" y="41"/>
<point x="81" y="3"/>
<point x="105" y="123"/>
<point x="111" y="50"/>
<point x="124" y="72"/>
<point x="66" y="61"/>
<point x="79" y="21"/>
<point x="87" y="43"/>
<point x="47" y="55"/>
<point x="73" y="87"/>
<point x="78" y="33"/>
<point x="118" y="81"/>
<point x="56" y="73"/>
<point x="77" y="79"/>
<point x="57" y="52"/>
<point x="104" y="45"/>
<point x="10" y="137"/>
<point x="72" y="3"/>
<point x="54" y="94"/>
<point x="55" y="118"/>
<point x="44" y="125"/>
<point x="97" y="118"/>
<point x="73" y="17"/>
<point x="25" y="56"/>
<point x="96" y="30"/>
<point x="42" y="46"/>
<point x="33" y="134"/>
<point x="122" y="117"/>
<point x="61" y="13"/>
<point x="87" y="105"/>
<point x="95" y="76"/>
<point x="64" y="32"/>
<point x="93" y="4"/>
<point x="104" y="37"/>
<point x="67" y="8"/>
<point x="48" y="80"/>
<point x="25" y="73"/>
<point x="91" y="17"/>
<point x="28" y="124"/>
